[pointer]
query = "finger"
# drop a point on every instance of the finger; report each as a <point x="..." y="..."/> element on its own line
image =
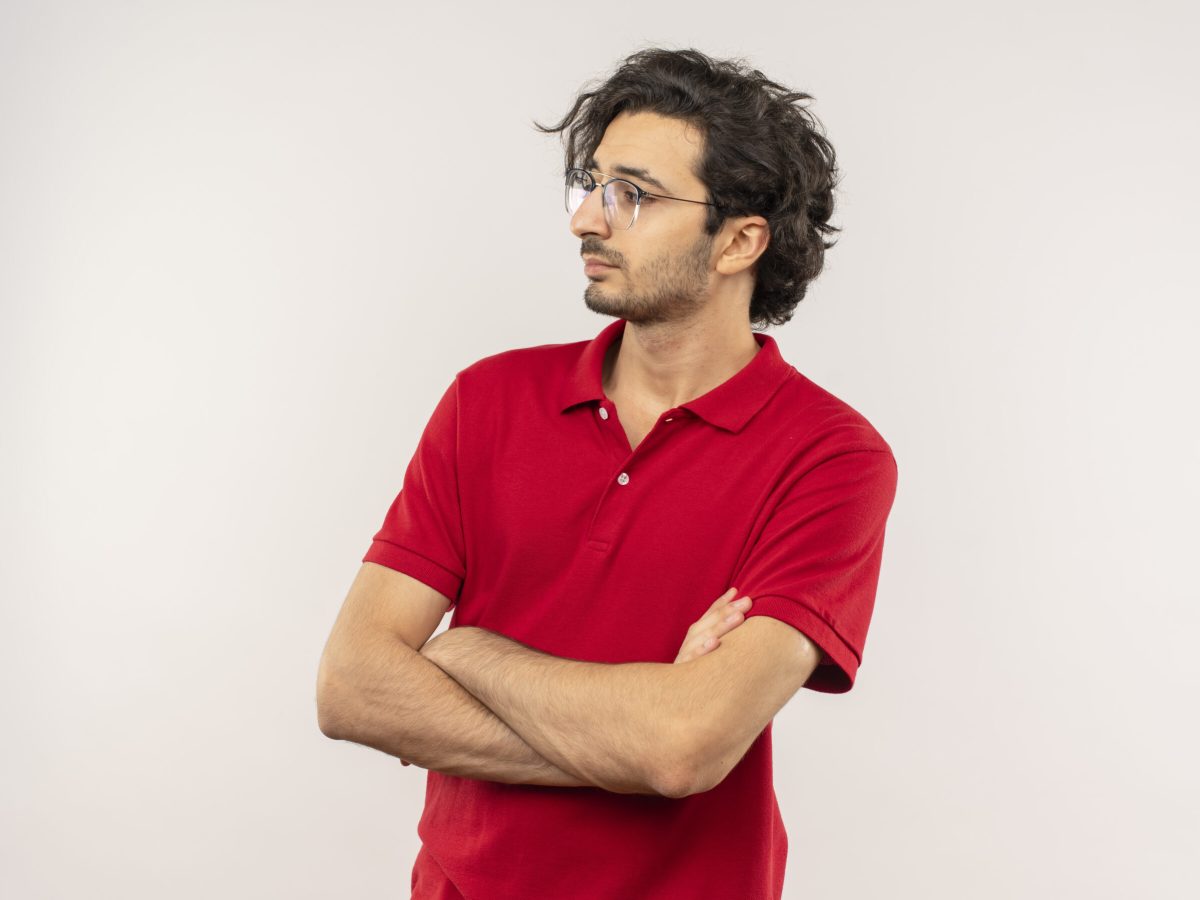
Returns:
<point x="724" y="598"/>
<point x="720" y="618"/>
<point x="708" y="639"/>
<point x="697" y="648"/>
<point x="704" y="635"/>
<point x="713" y="613"/>
<point x="718" y="610"/>
<point x="735" y="611"/>
<point x="731" y="617"/>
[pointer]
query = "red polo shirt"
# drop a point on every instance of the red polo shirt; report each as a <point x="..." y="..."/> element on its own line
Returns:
<point x="525" y="505"/>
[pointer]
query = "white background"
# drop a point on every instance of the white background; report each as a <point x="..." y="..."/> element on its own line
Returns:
<point x="244" y="247"/>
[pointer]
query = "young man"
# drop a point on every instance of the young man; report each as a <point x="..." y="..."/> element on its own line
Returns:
<point x="594" y="724"/>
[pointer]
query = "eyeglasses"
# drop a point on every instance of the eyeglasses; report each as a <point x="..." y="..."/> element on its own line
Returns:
<point x="622" y="199"/>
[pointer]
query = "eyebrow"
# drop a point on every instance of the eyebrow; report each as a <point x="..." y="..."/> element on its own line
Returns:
<point x="632" y="172"/>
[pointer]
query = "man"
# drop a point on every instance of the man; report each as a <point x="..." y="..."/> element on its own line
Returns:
<point x="594" y="723"/>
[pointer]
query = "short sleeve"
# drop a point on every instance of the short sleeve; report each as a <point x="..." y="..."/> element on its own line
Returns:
<point x="815" y="563"/>
<point x="422" y="533"/>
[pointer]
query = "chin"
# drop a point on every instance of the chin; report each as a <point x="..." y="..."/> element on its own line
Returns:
<point x="597" y="302"/>
<point x="606" y="306"/>
<point x="636" y="315"/>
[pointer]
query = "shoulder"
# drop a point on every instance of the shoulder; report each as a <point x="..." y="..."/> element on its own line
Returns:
<point x="820" y="422"/>
<point x="521" y="387"/>
<point x="522" y="363"/>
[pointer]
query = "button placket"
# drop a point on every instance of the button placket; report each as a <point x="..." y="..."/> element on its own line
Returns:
<point x="611" y="510"/>
<point x="614" y="506"/>
<point x="614" y="438"/>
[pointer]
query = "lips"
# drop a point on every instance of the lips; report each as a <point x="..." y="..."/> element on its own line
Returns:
<point x="595" y="267"/>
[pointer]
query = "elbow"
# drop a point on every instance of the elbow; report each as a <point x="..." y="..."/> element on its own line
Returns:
<point x="675" y="785"/>
<point x="685" y="780"/>
<point x="682" y="771"/>
<point x="328" y="721"/>
<point x="330" y="706"/>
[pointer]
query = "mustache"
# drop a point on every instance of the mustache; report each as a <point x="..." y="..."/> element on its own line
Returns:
<point x="595" y="248"/>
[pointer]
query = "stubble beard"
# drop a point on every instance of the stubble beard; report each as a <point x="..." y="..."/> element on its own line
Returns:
<point x="676" y="288"/>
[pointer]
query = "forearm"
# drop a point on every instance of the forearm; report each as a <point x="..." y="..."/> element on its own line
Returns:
<point x="616" y="726"/>
<point x="394" y="700"/>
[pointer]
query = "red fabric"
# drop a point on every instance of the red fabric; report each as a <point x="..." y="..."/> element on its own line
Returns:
<point x="512" y="506"/>
<point x="429" y="882"/>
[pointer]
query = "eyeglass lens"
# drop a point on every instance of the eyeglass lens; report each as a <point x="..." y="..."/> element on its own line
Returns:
<point x="620" y="198"/>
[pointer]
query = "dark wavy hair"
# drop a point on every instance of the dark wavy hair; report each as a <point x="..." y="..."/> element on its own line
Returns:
<point x="763" y="154"/>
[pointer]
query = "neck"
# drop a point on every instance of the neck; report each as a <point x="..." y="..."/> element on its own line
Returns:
<point x="666" y="364"/>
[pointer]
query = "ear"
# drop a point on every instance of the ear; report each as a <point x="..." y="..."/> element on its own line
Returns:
<point x="746" y="238"/>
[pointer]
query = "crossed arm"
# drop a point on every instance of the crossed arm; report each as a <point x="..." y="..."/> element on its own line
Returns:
<point x="477" y="704"/>
<point x="668" y="729"/>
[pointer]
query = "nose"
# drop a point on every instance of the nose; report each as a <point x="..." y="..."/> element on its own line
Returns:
<point x="590" y="218"/>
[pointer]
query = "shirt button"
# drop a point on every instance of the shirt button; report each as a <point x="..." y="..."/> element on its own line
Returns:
<point x="603" y="413"/>
<point x="622" y="478"/>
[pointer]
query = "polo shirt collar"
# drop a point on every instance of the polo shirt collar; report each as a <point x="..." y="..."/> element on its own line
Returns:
<point x="729" y="405"/>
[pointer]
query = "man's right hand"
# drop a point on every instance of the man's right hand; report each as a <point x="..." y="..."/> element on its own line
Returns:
<point x="721" y="618"/>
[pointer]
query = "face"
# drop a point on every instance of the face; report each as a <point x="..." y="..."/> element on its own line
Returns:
<point x="658" y="271"/>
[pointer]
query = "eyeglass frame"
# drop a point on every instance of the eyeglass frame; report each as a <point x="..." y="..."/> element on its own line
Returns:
<point x="612" y="179"/>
